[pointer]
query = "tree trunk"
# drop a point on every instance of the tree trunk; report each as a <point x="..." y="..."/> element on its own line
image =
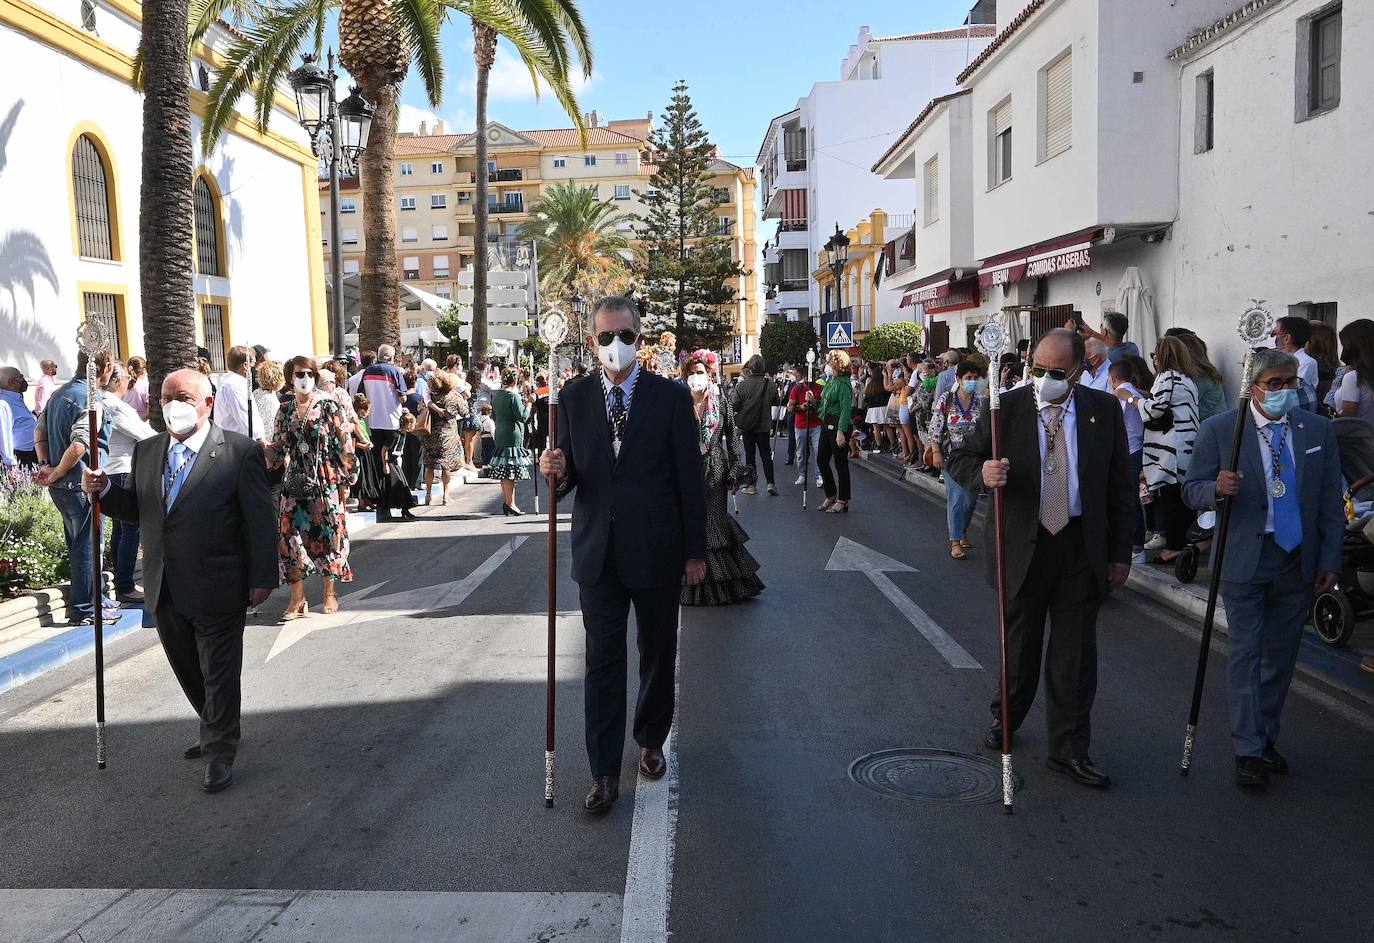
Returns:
<point x="166" y="224"/>
<point x="484" y="53"/>
<point x="381" y="297"/>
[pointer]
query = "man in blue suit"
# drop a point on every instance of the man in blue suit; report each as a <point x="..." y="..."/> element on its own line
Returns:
<point x="1284" y="545"/>
<point x="628" y="442"/>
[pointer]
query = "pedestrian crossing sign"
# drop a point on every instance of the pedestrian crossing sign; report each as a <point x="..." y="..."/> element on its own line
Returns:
<point x="840" y="334"/>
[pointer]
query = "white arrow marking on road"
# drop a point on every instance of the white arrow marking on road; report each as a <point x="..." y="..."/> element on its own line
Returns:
<point x="849" y="556"/>
<point x="393" y="605"/>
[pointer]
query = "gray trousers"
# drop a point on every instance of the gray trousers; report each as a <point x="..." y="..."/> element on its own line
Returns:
<point x="1264" y="616"/>
<point x="206" y="655"/>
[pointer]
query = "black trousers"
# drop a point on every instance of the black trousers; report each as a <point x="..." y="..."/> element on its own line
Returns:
<point x="206" y="655"/>
<point x="827" y="452"/>
<point x="761" y="443"/>
<point x="1062" y="585"/>
<point x="605" y="616"/>
<point x="394" y="444"/>
<point x="790" y="431"/>
<point x="1175" y="517"/>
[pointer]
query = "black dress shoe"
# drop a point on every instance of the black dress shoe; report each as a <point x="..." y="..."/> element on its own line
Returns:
<point x="1251" y="772"/>
<point x="192" y="752"/>
<point x="605" y="790"/>
<point x="652" y="763"/>
<point x="1274" y="761"/>
<point x="1082" y="771"/>
<point x="218" y="776"/>
<point x="993" y="739"/>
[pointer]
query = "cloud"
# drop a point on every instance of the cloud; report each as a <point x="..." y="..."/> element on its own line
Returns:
<point x="456" y="120"/>
<point x="510" y="80"/>
<point x="410" y="118"/>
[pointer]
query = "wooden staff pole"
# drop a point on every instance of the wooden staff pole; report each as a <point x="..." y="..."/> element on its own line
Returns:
<point x="552" y="331"/>
<point x="92" y="341"/>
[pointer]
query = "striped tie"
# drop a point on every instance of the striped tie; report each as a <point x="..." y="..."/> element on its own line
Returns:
<point x="1054" y="485"/>
<point x="176" y="464"/>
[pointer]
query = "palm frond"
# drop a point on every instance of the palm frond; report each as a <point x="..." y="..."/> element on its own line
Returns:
<point x="419" y="21"/>
<point x="255" y="61"/>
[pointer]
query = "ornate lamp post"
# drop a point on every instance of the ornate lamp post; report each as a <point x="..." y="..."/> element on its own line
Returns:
<point x="338" y="133"/>
<point x="837" y="256"/>
<point x="581" y="309"/>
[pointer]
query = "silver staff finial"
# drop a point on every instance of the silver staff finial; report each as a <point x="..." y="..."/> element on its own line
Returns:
<point x="553" y="327"/>
<point x="992" y="338"/>
<point x="1255" y="323"/>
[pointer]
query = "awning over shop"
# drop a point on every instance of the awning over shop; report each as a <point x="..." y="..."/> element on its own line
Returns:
<point x="1065" y="254"/>
<point x="942" y="292"/>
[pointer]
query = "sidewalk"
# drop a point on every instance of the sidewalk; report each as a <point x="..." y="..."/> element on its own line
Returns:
<point x="1336" y="667"/>
<point x="35" y="637"/>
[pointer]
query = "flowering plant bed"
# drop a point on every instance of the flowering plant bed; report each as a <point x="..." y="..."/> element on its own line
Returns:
<point x="33" y="550"/>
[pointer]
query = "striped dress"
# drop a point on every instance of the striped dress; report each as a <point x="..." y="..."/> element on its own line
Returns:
<point x="1167" y="454"/>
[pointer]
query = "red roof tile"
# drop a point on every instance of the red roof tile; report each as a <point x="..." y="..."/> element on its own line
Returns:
<point x="545" y="137"/>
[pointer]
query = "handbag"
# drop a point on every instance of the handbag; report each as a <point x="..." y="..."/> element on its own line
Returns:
<point x="422" y="421"/>
<point x="1163" y="423"/>
<point x="300" y="485"/>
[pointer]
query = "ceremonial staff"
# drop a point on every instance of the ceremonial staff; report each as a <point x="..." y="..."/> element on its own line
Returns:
<point x="552" y="329"/>
<point x="806" y="437"/>
<point x="991" y="340"/>
<point x="93" y="340"/>
<point x="1255" y="325"/>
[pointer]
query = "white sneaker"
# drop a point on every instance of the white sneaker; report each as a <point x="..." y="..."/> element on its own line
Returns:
<point x="801" y="480"/>
<point x="1139" y="558"/>
<point x="820" y="482"/>
<point x="1156" y="542"/>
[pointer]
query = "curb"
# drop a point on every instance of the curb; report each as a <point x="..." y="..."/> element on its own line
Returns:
<point x="1154" y="586"/>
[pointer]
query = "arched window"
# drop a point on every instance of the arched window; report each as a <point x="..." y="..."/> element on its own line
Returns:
<point x="90" y="183"/>
<point x="207" y="229"/>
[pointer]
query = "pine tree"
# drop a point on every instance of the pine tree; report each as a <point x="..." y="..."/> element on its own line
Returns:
<point x="685" y="266"/>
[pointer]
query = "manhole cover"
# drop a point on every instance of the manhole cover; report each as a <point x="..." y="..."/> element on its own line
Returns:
<point x="925" y="775"/>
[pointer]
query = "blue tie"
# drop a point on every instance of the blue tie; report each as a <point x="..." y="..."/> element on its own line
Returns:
<point x="176" y="467"/>
<point x="1287" y="515"/>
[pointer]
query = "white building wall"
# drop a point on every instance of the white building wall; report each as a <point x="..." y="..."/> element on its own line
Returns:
<point x="1280" y="210"/>
<point x="270" y="248"/>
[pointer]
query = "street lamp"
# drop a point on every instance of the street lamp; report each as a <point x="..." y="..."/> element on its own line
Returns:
<point x="338" y="131"/>
<point x="836" y="255"/>
<point x="581" y="309"/>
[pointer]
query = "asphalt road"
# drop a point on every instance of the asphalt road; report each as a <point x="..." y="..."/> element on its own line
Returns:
<point x="398" y="748"/>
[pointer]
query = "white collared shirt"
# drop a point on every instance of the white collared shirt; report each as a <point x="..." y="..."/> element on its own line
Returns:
<point x="627" y="386"/>
<point x="231" y="405"/>
<point x="193" y="444"/>
<point x="1098" y="381"/>
<point x="1068" y="429"/>
<point x="1262" y="434"/>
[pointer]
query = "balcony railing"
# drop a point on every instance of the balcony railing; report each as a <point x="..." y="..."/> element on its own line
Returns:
<point x="464" y="210"/>
<point x="796" y="163"/>
<point x="792" y="284"/>
<point x="498" y="208"/>
<point x="792" y="225"/>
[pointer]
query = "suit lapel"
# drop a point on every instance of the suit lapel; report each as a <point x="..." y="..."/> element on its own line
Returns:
<point x="1300" y="447"/>
<point x="154" y="469"/>
<point x="640" y="403"/>
<point x="597" y="417"/>
<point x="208" y="455"/>
<point x="1250" y="463"/>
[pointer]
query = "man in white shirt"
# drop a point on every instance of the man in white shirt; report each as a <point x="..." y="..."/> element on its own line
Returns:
<point x="1291" y="334"/>
<point x="232" y="401"/>
<point x="1095" y="370"/>
<point x="366" y="359"/>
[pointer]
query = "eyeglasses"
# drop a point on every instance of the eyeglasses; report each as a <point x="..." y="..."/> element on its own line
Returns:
<point x="1274" y="384"/>
<point x="628" y="336"/>
<point x="1054" y="374"/>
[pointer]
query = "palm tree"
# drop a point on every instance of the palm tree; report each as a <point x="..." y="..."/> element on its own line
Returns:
<point x="166" y="227"/>
<point x="379" y="42"/>
<point x="574" y="233"/>
<point x="558" y="26"/>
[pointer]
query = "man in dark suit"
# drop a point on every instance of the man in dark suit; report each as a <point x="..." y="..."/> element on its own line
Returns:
<point x="208" y="530"/>
<point x="628" y="443"/>
<point x="1283" y="545"/>
<point x="1068" y="499"/>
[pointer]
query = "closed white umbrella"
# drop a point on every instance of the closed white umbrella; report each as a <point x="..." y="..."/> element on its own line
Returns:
<point x="1134" y="301"/>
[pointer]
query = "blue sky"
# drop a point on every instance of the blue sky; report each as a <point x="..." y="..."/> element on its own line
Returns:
<point x="744" y="60"/>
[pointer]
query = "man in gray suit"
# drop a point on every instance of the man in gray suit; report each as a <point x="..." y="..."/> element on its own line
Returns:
<point x="208" y="530"/>
<point x="1284" y="545"/>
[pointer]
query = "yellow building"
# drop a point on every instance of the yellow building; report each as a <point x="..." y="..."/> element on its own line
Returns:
<point x="861" y="301"/>
<point x="436" y="180"/>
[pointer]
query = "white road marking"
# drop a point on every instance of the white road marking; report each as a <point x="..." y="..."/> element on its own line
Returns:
<point x="107" y="915"/>
<point x="849" y="556"/>
<point x="653" y="838"/>
<point x="394" y="605"/>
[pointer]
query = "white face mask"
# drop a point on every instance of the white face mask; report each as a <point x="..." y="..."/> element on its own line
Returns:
<point x="180" y="417"/>
<point x="1048" y="389"/>
<point x="305" y="384"/>
<point x="697" y="382"/>
<point x="616" y="356"/>
<point x="829" y="370"/>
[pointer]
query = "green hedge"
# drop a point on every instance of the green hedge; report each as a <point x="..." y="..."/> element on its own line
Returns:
<point x="33" y="550"/>
<point x="894" y="339"/>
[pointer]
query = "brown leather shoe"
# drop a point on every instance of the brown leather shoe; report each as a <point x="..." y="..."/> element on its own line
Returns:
<point x="652" y="763"/>
<point x="605" y="790"/>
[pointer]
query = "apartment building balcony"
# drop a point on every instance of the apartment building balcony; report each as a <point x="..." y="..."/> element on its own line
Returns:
<point x="512" y="174"/>
<point x="463" y="242"/>
<point x="464" y="210"/>
<point x="774" y="198"/>
<point x="794" y="238"/>
<point x="506" y="208"/>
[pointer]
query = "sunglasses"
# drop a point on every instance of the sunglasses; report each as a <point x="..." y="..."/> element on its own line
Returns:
<point x="1052" y="374"/>
<point x="302" y="374"/>
<point x="604" y="338"/>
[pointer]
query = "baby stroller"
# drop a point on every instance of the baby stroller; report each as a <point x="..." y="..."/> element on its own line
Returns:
<point x="1335" y="613"/>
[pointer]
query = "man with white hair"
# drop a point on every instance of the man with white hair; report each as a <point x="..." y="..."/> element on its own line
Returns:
<point x="1096" y="368"/>
<point x="427" y="368"/>
<point x="209" y="535"/>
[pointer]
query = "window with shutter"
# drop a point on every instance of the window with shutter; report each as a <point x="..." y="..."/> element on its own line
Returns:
<point x="1057" y="107"/>
<point x="999" y="158"/>
<point x="932" y="189"/>
<point x="94" y="231"/>
<point x="1205" y="110"/>
<point x="212" y="329"/>
<point x="207" y="228"/>
<point x="1325" y="78"/>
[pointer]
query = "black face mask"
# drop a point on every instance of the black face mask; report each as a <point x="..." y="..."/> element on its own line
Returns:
<point x="23" y="386"/>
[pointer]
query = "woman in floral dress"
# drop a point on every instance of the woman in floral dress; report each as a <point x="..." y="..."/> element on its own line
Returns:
<point x="312" y="527"/>
<point x="443" y="449"/>
<point x="731" y="572"/>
